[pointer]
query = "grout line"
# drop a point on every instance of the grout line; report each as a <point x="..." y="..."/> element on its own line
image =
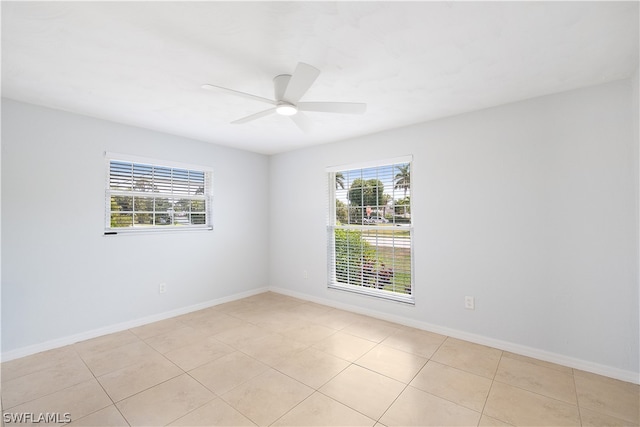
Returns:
<point x="575" y="389"/>
<point x="105" y="392"/>
<point x="344" y="404"/>
<point x="50" y="393"/>
<point x="266" y="310"/>
<point x="490" y="387"/>
<point x="408" y="383"/>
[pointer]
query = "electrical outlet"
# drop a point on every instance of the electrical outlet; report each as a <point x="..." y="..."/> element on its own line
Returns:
<point x="305" y="274"/>
<point x="469" y="303"/>
<point x="162" y="288"/>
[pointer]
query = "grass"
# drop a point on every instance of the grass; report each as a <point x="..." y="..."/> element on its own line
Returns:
<point x="400" y="260"/>
<point x="363" y="263"/>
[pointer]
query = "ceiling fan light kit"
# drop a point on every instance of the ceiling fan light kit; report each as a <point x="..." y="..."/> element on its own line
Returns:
<point x="286" y="109"/>
<point x="288" y="90"/>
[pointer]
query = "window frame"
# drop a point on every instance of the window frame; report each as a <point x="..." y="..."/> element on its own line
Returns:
<point x="332" y="226"/>
<point x="207" y="195"/>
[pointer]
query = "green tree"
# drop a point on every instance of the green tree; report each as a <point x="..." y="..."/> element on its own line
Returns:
<point x="342" y="214"/>
<point x="366" y="193"/>
<point x="120" y="219"/>
<point x="403" y="206"/>
<point x="352" y="252"/>
<point x="402" y="179"/>
<point x="339" y="180"/>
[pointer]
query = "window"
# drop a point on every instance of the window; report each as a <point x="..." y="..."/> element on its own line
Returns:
<point x="370" y="236"/>
<point x="148" y="195"/>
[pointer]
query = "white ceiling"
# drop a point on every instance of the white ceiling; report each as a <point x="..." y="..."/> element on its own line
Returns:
<point x="142" y="63"/>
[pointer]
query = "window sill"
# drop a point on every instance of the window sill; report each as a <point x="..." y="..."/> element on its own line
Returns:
<point x="149" y="231"/>
<point x="375" y="293"/>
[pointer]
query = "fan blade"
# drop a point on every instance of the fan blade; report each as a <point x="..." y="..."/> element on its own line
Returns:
<point x="301" y="80"/>
<point x="301" y="121"/>
<point x="333" y="107"/>
<point x="254" y="116"/>
<point x="235" y="92"/>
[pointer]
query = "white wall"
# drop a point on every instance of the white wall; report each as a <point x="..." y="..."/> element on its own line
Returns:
<point x="60" y="275"/>
<point x="529" y="207"/>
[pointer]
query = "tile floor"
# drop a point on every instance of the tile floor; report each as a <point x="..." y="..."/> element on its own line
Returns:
<point x="275" y="360"/>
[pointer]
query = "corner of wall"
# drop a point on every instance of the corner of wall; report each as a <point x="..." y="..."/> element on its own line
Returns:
<point x="635" y="111"/>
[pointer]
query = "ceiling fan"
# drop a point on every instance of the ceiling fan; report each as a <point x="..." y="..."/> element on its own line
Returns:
<point x="289" y="89"/>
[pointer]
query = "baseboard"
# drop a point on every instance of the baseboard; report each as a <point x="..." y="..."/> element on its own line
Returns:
<point x="118" y="327"/>
<point x="608" y="371"/>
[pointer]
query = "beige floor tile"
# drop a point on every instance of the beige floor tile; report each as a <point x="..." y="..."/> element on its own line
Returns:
<point x="595" y="419"/>
<point x="267" y="397"/>
<point x="236" y="336"/>
<point x="199" y="315"/>
<point x="105" y="342"/>
<point x="156" y="328"/>
<point x="461" y="387"/>
<point x="469" y="357"/>
<point x="107" y="417"/>
<point x="37" y="362"/>
<point x="345" y="346"/>
<point x="415" y="341"/>
<point x="215" y="324"/>
<point x="227" y="372"/>
<point x="175" y="338"/>
<point x="418" y="408"/>
<point x="271" y="348"/>
<point x="524" y="408"/>
<point x="371" y="329"/>
<point x="363" y="390"/>
<point x="232" y="306"/>
<point x="78" y="401"/>
<point x="199" y="353"/>
<point x="555" y="366"/>
<point x="357" y="364"/>
<point x="258" y="314"/>
<point x="538" y="379"/>
<point x="277" y="322"/>
<point x="312" y="367"/>
<point x="40" y="383"/>
<point x="310" y="310"/>
<point x="165" y="402"/>
<point x="133" y="379"/>
<point x="273" y="300"/>
<point x="215" y="413"/>
<point x="608" y="396"/>
<point x="307" y="333"/>
<point x="335" y="319"/>
<point x="116" y="358"/>
<point x="320" y="410"/>
<point x="393" y="363"/>
<point x="487" y="421"/>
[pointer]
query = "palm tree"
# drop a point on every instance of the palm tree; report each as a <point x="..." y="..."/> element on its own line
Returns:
<point x="339" y="180"/>
<point x="403" y="178"/>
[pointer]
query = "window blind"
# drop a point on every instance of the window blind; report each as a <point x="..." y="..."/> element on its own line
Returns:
<point x="150" y="197"/>
<point x="370" y="233"/>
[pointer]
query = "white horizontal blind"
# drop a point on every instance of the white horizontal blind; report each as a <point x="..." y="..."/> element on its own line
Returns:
<point x="370" y="236"/>
<point x="149" y="197"/>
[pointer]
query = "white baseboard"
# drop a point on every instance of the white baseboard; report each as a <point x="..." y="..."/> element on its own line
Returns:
<point x="628" y="376"/>
<point x="608" y="371"/>
<point x="72" y="339"/>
